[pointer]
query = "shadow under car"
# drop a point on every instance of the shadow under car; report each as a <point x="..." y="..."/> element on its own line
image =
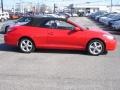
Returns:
<point x="7" y="48"/>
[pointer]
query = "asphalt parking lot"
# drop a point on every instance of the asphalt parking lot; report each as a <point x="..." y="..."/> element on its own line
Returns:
<point x="60" y="70"/>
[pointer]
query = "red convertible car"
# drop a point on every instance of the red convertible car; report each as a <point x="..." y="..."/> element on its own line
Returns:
<point x="58" y="33"/>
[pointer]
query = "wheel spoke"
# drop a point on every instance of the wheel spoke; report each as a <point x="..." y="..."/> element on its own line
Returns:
<point x="28" y="42"/>
<point x="27" y="48"/>
<point x="26" y="45"/>
<point x="91" y="46"/>
<point x="30" y="46"/>
<point x="99" y="46"/>
<point x="94" y="51"/>
<point x="95" y="44"/>
<point x="99" y="49"/>
<point x="24" y="48"/>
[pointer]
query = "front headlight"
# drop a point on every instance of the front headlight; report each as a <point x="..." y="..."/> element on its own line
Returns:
<point x="108" y="36"/>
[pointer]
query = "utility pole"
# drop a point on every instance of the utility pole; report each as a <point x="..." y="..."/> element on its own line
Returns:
<point x="111" y="6"/>
<point x="2" y="5"/>
<point x="14" y="7"/>
<point x="21" y="6"/>
<point x="54" y="8"/>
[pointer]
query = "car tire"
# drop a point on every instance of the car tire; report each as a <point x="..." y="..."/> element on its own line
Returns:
<point x="96" y="47"/>
<point x="105" y="52"/>
<point x="26" y="45"/>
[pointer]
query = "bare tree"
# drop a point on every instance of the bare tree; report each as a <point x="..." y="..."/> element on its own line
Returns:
<point x="43" y="8"/>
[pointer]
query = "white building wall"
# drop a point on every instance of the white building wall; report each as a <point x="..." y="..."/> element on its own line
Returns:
<point x="94" y="8"/>
<point x="116" y="9"/>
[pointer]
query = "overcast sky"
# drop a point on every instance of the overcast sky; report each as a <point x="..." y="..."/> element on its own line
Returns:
<point x="10" y="3"/>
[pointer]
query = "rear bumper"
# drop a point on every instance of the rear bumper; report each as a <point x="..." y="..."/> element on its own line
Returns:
<point x="10" y="40"/>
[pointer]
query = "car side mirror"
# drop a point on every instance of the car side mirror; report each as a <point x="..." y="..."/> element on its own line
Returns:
<point x="77" y="29"/>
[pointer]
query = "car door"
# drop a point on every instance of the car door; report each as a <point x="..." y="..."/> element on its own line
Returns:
<point x="63" y="35"/>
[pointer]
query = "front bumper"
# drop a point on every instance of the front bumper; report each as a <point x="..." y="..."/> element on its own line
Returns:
<point x="111" y="44"/>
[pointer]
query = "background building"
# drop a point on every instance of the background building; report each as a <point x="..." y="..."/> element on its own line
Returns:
<point x="24" y="7"/>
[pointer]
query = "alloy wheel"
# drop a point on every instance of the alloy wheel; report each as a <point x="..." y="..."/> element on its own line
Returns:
<point x="26" y="46"/>
<point x="96" y="47"/>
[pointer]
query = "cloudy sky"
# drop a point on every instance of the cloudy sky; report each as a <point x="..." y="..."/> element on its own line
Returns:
<point x="10" y="3"/>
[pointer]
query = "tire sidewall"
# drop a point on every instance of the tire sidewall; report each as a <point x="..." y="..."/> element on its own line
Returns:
<point x="101" y="42"/>
<point x="33" y="46"/>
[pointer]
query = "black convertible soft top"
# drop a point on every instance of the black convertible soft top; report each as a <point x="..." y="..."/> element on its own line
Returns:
<point x="40" y="21"/>
<point x="48" y="18"/>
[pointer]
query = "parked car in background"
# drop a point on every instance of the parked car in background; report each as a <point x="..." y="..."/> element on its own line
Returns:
<point x="4" y="16"/>
<point x="14" y="16"/>
<point x="51" y="15"/>
<point x="93" y="15"/>
<point x="103" y="19"/>
<point x="74" y="15"/>
<point x="8" y="24"/>
<point x="87" y="14"/>
<point x="90" y="15"/>
<point x="63" y="15"/>
<point x="69" y="14"/>
<point x="108" y="21"/>
<point x="58" y="33"/>
<point x="116" y="18"/>
<point x="81" y="13"/>
<point x="102" y="15"/>
<point x="55" y="15"/>
<point x="116" y="25"/>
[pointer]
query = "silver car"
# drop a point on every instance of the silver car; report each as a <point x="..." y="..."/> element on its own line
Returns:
<point x="116" y="25"/>
<point x="18" y="22"/>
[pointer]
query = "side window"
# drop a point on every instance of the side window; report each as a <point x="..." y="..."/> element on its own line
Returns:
<point x="64" y="25"/>
<point x="24" y="19"/>
<point x="51" y="24"/>
<point x="59" y="25"/>
<point x="27" y="20"/>
<point x="21" y="19"/>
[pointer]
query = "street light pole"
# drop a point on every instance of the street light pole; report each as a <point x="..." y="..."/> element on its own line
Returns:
<point x="2" y="5"/>
<point x="111" y="6"/>
<point x="54" y="8"/>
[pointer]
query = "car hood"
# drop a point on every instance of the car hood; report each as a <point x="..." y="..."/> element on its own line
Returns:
<point x="97" y="30"/>
<point x="109" y="19"/>
<point x="112" y="19"/>
<point x="103" y="17"/>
